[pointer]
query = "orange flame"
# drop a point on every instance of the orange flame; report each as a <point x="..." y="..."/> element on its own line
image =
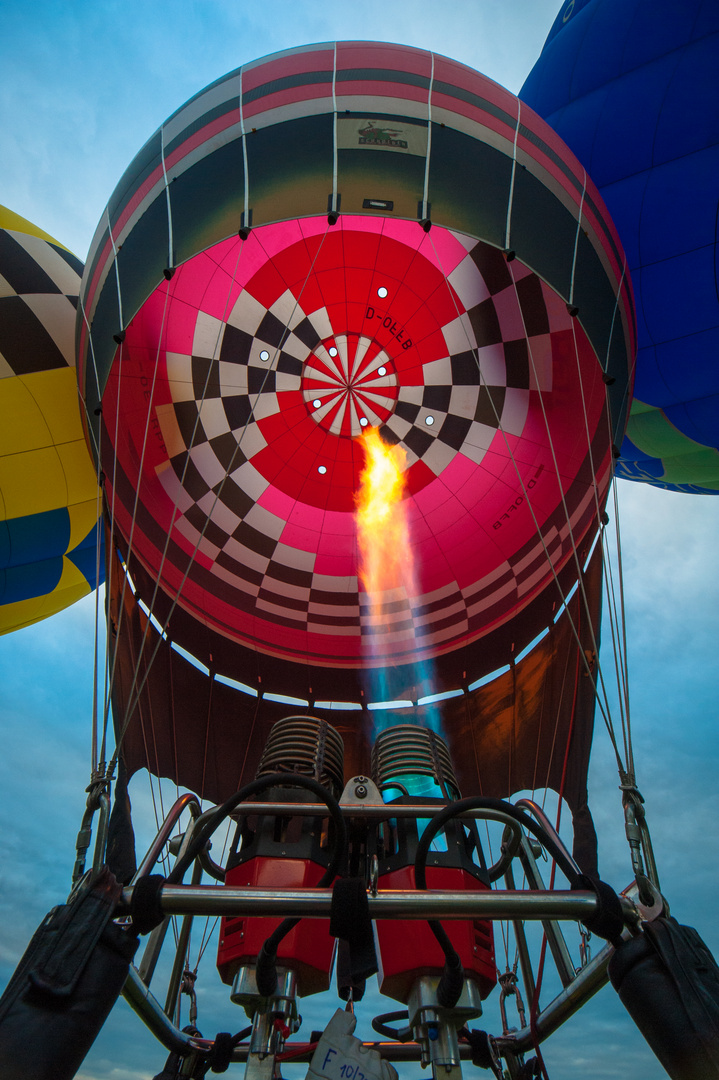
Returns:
<point x="382" y="530"/>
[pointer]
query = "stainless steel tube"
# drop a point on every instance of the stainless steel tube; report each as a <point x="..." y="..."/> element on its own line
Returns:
<point x="390" y="903"/>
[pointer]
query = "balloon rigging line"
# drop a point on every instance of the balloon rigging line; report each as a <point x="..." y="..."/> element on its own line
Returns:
<point x="245" y="164"/>
<point x="147" y="756"/>
<point x="135" y="506"/>
<point x="620" y="572"/>
<point x="425" y="192"/>
<point x="576" y="240"/>
<point x="617" y="622"/>
<point x="109" y="676"/>
<point x="172" y="714"/>
<point x="143" y="733"/>
<point x="625" y="394"/>
<point x="595" y="486"/>
<point x="580" y="577"/>
<point x="500" y="428"/>
<point x="208" y="931"/>
<point x="133" y="702"/>
<point x="468" y="718"/>
<point x="117" y="269"/>
<point x="99" y="526"/>
<point x="557" y="473"/>
<point x="623" y="687"/>
<point x="170" y="241"/>
<point x="207" y="734"/>
<point x="620" y="563"/>
<point x="96" y="446"/>
<point x="510" y="197"/>
<point x="607" y="716"/>
<point x="555" y="731"/>
<point x="205" y="939"/>
<point x="613" y="627"/>
<point x="83" y="402"/>
<point x="98" y="458"/>
<point x="186" y="461"/>
<point x="616" y="648"/>
<point x="129" y="709"/>
<point x="334" y="206"/>
<point x="625" y="403"/>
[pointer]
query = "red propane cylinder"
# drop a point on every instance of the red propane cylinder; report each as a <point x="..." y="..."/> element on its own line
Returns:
<point x="308" y="949"/>
<point x="407" y="949"/>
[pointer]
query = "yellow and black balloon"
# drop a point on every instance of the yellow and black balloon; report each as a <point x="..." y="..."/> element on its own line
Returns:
<point x="48" y="488"/>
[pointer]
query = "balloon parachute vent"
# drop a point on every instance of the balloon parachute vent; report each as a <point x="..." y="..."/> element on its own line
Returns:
<point x="306" y="746"/>
<point x="414" y="760"/>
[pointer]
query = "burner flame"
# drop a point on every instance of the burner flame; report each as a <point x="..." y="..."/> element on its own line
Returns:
<point x="386" y="570"/>
<point x="382" y="529"/>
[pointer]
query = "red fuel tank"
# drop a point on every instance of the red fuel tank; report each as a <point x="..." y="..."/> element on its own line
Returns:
<point x="407" y="949"/>
<point x="308" y="949"/>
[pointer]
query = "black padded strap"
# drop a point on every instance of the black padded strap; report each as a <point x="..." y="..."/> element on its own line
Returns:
<point x="145" y="907"/>
<point x="350" y="921"/>
<point x="221" y="1054"/>
<point x="348" y="987"/>
<point x="608" y="921"/>
<point x="481" y="1052"/>
<point x="482" y="1055"/>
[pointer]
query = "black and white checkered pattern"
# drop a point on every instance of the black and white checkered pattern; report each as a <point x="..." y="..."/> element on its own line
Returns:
<point x="231" y="381"/>
<point x="39" y="288"/>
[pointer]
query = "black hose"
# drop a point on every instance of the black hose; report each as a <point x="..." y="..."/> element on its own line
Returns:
<point x="255" y="787"/>
<point x="453" y="975"/>
<point x="266" y="972"/>
<point x="481" y="803"/>
<point x="452" y="980"/>
<point x="381" y="1023"/>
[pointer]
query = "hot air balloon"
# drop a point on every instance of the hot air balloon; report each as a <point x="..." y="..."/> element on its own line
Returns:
<point x="631" y="89"/>
<point x="335" y="239"/>
<point x="272" y="276"/>
<point x="48" y="488"/>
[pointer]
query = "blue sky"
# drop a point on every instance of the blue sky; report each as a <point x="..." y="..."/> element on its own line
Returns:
<point x="82" y="86"/>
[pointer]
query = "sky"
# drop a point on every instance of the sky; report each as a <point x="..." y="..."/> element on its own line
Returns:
<point x="82" y="86"/>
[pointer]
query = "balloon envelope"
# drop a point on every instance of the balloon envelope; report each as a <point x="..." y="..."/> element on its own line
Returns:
<point x="48" y="490"/>
<point x="630" y="85"/>
<point x="336" y="236"/>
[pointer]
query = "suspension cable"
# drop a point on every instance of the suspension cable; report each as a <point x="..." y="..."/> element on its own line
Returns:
<point x="137" y="688"/>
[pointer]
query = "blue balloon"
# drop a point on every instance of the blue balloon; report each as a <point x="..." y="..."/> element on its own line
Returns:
<point x="632" y="86"/>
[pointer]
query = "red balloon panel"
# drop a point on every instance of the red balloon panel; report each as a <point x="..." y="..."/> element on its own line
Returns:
<point x="243" y="385"/>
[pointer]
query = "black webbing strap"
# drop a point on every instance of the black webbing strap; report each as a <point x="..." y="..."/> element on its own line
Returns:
<point x="350" y="921"/>
<point x="608" y="921"/>
<point x="221" y="1054"/>
<point x="145" y="907"/>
